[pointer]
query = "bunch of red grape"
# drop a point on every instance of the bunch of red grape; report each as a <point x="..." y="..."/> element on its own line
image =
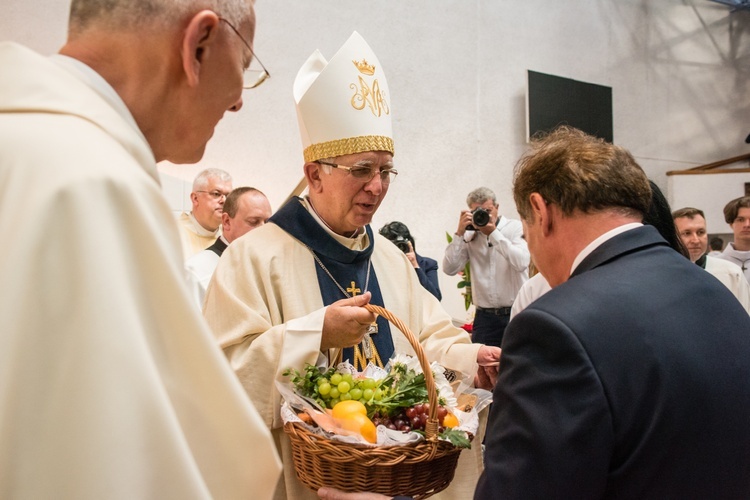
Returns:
<point x="412" y="418"/>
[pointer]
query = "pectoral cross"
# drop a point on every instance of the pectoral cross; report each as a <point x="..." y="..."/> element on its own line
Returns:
<point x="371" y="330"/>
<point x="353" y="290"/>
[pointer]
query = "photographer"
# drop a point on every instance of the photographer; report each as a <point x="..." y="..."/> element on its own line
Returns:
<point x="425" y="267"/>
<point x="499" y="259"/>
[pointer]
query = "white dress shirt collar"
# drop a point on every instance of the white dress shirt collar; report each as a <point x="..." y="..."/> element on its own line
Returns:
<point x="601" y="239"/>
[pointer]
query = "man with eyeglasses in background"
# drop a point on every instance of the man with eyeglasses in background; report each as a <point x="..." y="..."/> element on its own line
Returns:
<point x="111" y="385"/>
<point x="200" y="227"/>
<point x="291" y="292"/>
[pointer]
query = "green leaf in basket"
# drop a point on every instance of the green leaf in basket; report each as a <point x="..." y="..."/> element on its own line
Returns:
<point x="307" y="384"/>
<point x="457" y="438"/>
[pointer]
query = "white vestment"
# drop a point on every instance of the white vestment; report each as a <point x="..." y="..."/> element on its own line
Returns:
<point x="198" y="272"/>
<point x="739" y="257"/>
<point x="194" y="237"/>
<point x="111" y="385"/>
<point x="731" y="275"/>
<point x="264" y="305"/>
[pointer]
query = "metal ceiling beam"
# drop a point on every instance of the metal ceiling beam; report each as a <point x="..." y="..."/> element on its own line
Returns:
<point x="736" y="4"/>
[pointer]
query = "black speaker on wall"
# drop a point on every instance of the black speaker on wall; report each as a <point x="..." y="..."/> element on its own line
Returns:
<point x="554" y="100"/>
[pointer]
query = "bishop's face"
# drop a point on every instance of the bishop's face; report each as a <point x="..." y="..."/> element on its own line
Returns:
<point x="345" y="202"/>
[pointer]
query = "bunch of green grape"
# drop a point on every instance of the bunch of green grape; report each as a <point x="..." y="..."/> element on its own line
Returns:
<point x="343" y="387"/>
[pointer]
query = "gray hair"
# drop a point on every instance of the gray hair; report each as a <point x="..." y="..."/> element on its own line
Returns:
<point x="201" y="180"/>
<point x="480" y="195"/>
<point x="137" y="14"/>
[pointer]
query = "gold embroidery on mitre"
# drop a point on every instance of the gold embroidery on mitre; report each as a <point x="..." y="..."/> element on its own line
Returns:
<point x="348" y="146"/>
<point x="372" y="96"/>
<point x="364" y="68"/>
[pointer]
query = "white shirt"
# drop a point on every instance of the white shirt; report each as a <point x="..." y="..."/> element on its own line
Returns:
<point x="499" y="262"/>
<point x="599" y="241"/>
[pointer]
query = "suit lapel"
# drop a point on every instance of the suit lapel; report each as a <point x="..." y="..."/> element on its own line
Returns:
<point x="622" y="244"/>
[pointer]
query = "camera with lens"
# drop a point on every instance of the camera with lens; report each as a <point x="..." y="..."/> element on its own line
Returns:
<point x="480" y="217"/>
<point x="399" y="235"/>
<point x="402" y="243"/>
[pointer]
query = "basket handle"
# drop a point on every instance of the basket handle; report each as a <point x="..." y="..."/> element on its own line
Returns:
<point x="431" y="427"/>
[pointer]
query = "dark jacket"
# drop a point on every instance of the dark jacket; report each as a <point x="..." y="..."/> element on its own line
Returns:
<point x="631" y="380"/>
<point x="428" y="275"/>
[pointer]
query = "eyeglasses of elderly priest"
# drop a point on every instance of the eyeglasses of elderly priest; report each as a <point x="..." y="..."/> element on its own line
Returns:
<point x="214" y="194"/>
<point x="366" y="174"/>
<point x="251" y="77"/>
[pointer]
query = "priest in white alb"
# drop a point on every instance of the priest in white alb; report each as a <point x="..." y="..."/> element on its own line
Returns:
<point x="111" y="385"/>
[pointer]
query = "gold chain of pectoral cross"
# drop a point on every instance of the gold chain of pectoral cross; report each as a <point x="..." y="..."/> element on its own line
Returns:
<point x="368" y="353"/>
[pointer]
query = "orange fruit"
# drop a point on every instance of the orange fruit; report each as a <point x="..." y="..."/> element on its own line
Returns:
<point x="356" y="422"/>
<point x="343" y="409"/>
<point x="450" y="420"/>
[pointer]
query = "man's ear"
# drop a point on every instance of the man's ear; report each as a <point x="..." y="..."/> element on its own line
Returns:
<point x="226" y="221"/>
<point x="200" y="34"/>
<point x="312" y="174"/>
<point x="194" y="198"/>
<point x="541" y="213"/>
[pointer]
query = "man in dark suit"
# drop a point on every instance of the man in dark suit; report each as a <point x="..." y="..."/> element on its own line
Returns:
<point x="631" y="377"/>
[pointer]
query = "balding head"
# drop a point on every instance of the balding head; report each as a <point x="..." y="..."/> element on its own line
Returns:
<point x="177" y="65"/>
<point x="131" y="15"/>
<point x="246" y="209"/>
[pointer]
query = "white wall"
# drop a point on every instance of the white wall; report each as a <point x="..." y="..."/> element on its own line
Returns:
<point x="457" y="71"/>
<point x="708" y="192"/>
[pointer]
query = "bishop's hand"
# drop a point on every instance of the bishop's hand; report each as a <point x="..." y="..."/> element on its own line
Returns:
<point x="488" y="359"/>
<point x="346" y="322"/>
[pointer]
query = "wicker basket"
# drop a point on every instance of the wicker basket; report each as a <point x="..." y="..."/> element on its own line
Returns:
<point x="418" y="470"/>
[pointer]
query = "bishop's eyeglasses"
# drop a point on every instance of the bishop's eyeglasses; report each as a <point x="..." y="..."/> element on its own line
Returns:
<point x="251" y="77"/>
<point x="366" y="174"/>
